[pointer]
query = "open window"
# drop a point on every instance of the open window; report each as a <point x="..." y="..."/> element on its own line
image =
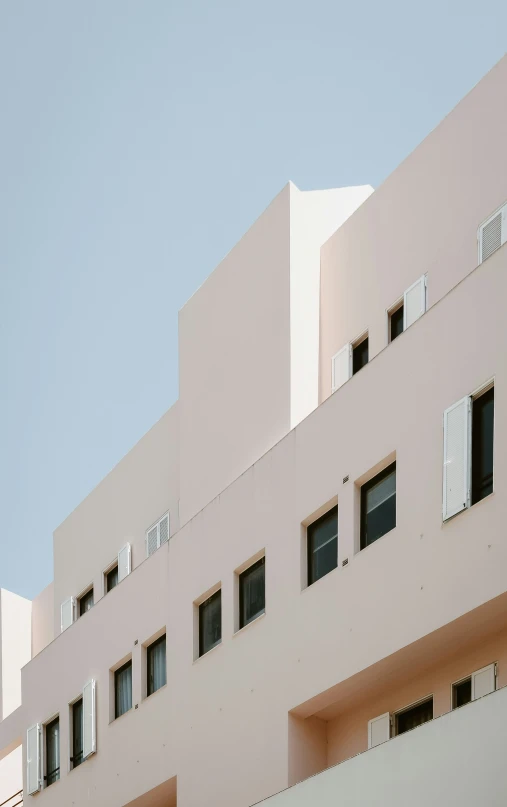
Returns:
<point x="396" y="315"/>
<point x="360" y="354"/>
<point x="52" y="752"/>
<point x="479" y="683"/>
<point x="85" y="602"/>
<point x="348" y="361"/>
<point x="413" y="716"/>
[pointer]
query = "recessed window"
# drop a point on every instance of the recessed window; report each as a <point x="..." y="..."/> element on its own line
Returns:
<point x="52" y="752"/>
<point x="123" y="689"/>
<point x="378" y="506"/>
<point x="414" y="716"/>
<point x="395" y="323"/>
<point x="252" y="593"/>
<point x="322" y="537"/>
<point x="210" y="623"/>
<point x="77" y="733"/>
<point x="156" y="665"/>
<point x="111" y="578"/>
<point x="85" y="602"/>
<point x="461" y="693"/>
<point x="359" y="355"/>
<point x="483" y="409"/>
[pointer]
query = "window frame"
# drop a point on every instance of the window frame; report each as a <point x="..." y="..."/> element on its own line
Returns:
<point x="476" y="396"/>
<point x="116" y="673"/>
<point x="86" y="593"/>
<point x="206" y="602"/>
<point x="363" y="490"/>
<point x="356" y="344"/>
<point x="453" y="690"/>
<point x="414" y="705"/>
<point x="47" y="725"/>
<point x="241" y="578"/>
<point x="108" y="571"/>
<point x="149" y="649"/>
<point x="72" y="744"/>
<point x="309" y="552"/>
<point x="394" y="309"/>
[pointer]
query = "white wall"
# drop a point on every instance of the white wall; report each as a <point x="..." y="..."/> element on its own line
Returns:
<point x="15" y="647"/>
<point x="11" y="776"/>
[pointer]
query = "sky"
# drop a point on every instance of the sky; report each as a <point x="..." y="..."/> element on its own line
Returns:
<point x="139" y="139"/>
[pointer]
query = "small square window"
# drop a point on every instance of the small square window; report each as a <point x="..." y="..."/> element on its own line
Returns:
<point x="52" y="752"/>
<point x="461" y="693"/>
<point x="378" y="506"/>
<point x="252" y="593"/>
<point x="85" y="602"/>
<point x="483" y="410"/>
<point x="111" y="578"/>
<point x="77" y="733"/>
<point x="414" y="716"/>
<point x="156" y="665"/>
<point x="210" y="623"/>
<point x="395" y="323"/>
<point x="359" y="355"/>
<point x="123" y="689"/>
<point x="322" y="537"/>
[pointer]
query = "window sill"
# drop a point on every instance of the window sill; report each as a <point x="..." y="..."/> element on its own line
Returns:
<point x="249" y="625"/>
<point x="115" y="719"/>
<point x="316" y="582"/>
<point x="467" y="509"/>
<point x="374" y="543"/>
<point x="208" y="653"/>
<point x="152" y="694"/>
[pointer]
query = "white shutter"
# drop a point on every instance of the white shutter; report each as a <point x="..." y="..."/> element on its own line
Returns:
<point x="457" y="465"/>
<point x="89" y="721"/>
<point x="341" y="367"/>
<point x="67" y="613"/>
<point x="124" y="562"/>
<point x="483" y="681"/>
<point x="163" y="529"/>
<point x="379" y="730"/>
<point x="33" y="759"/>
<point x="492" y="234"/>
<point x="414" y="302"/>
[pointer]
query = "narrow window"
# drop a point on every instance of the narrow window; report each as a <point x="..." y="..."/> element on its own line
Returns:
<point x="395" y="323"/>
<point x="85" y="602"/>
<point x="482" y="445"/>
<point x="111" y="578"/>
<point x="156" y="665"/>
<point x="52" y="752"/>
<point x="77" y="733"/>
<point x="461" y="693"/>
<point x="210" y="623"/>
<point x="322" y="538"/>
<point x="123" y="689"/>
<point x="378" y="506"/>
<point x="413" y="717"/>
<point x="252" y="596"/>
<point x="359" y="355"/>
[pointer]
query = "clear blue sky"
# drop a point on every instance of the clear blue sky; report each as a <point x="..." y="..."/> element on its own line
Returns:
<point x="138" y="141"/>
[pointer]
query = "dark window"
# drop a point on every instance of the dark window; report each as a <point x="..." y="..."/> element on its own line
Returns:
<point x="415" y="716"/>
<point x="252" y="593"/>
<point x="156" y="665"/>
<point x="77" y="733"/>
<point x="52" y="752"/>
<point x="396" y="323"/>
<point x="483" y="409"/>
<point x="359" y="356"/>
<point x="111" y="579"/>
<point x="123" y="689"/>
<point x="210" y="623"/>
<point x="378" y="506"/>
<point x="85" y="602"/>
<point x="322" y="546"/>
<point x="462" y="693"/>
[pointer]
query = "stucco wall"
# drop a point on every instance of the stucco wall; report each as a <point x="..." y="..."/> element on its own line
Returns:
<point x="15" y="648"/>
<point x="43" y="607"/>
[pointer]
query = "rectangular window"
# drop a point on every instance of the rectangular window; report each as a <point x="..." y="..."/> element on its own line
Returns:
<point x="378" y="506"/>
<point x="156" y="665"/>
<point x="52" y="752"/>
<point x="111" y="578"/>
<point x="85" y="602"/>
<point x="395" y="323"/>
<point x="210" y="623"/>
<point x="414" y="716"/>
<point x="322" y="538"/>
<point x="359" y="355"/>
<point x="252" y="593"/>
<point x="123" y="689"/>
<point x="77" y="733"/>
<point x="461" y="693"/>
<point x="483" y="409"/>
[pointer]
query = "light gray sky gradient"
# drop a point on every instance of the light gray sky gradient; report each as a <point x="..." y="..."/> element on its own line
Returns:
<point x="139" y="139"/>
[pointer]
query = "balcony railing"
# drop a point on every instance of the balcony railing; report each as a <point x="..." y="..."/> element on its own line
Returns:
<point x="13" y="801"/>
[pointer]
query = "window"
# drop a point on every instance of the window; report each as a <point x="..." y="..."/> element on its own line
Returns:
<point x="77" y="733"/>
<point x="111" y="578"/>
<point x="210" y="623"/>
<point x="322" y="538"/>
<point x="156" y="665"/>
<point x="395" y="323"/>
<point x="414" y="716"/>
<point x="359" y="355"/>
<point x="252" y="592"/>
<point x="52" y="752"/>
<point x="378" y="506"/>
<point x="461" y="693"/>
<point x="123" y="689"/>
<point x="157" y="535"/>
<point x="85" y="602"/>
<point x="482" y="445"/>
<point x="480" y="683"/>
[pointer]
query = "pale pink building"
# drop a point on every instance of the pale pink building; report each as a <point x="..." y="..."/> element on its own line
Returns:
<point x="293" y="590"/>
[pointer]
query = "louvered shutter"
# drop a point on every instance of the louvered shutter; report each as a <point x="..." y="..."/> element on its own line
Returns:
<point x="457" y="465"/>
<point x="124" y="562"/>
<point x="414" y="302"/>
<point x="33" y="759"/>
<point x="67" y="613"/>
<point x="89" y="720"/>
<point x="483" y="681"/>
<point x="379" y="730"/>
<point x="341" y="367"/>
<point x="163" y="530"/>
<point x="492" y="234"/>
<point x="152" y="540"/>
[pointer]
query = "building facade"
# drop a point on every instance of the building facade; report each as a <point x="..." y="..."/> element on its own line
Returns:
<point x="293" y="589"/>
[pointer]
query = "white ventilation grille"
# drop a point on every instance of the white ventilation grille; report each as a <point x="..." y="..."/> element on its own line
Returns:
<point x="456" y="472"/>
<point x="124" y="562"/>
<point x="414" y="302"/>
<point x="492" y="234"/>
<point x="33" y="759"/>
<point x="157" y="535"/>
<point x="89" y="730"/>
<point x="341" y="367"/>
